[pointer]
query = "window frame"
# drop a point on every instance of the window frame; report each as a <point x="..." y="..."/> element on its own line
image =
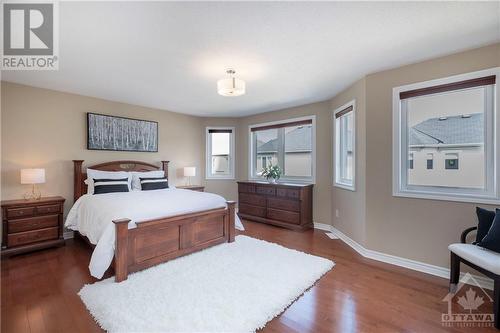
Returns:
<point x="337" y="182"/>
<point x="491" y="193"/>
<point x="446" y="159"/>
<point x="427" y="160"/>
<point x="208" y="153"/>
<point x="252" y="156"/>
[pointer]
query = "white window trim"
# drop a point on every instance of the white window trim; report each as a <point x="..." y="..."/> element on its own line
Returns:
<point x="208" y="154"/>
<point x="298" y="180"/>
<point x="492" y="196"/>
<point x="335" y="145"/>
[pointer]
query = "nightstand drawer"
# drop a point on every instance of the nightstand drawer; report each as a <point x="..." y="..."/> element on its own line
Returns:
<point x="48" y="209"/>
<point x="33" y="223"/>
<point x="32" y="236"/>
<point x="13" y="213"/>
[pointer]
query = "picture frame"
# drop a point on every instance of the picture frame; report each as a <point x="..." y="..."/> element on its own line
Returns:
<point x="115" y="133"/>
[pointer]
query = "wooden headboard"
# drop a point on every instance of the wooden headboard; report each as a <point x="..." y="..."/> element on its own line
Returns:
<point x="80" y="188"/>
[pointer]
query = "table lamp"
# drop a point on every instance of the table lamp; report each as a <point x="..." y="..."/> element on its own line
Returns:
<point x="33" y="177"/>
<point x="189" y="172"/>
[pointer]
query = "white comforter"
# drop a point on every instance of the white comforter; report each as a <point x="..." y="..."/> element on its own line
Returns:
<point x="92" y="216"/>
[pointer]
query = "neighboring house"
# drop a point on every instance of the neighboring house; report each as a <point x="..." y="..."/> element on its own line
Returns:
<point x="298" y="152"/>
<point x="447" y="151"/>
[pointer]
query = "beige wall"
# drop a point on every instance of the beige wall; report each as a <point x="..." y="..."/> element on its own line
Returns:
<point x="412" y="228"/>
<point x="47" y="129"/>
<point x="351" y="204"/>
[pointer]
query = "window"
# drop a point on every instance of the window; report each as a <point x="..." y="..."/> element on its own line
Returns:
<point x="344" y="146"/>
<point x="450" y="123"/>
<point x="451" y="161"/>
<point x="430" y="161"/>
<point x="289" y="144"/>
<point x="220" y="153"/>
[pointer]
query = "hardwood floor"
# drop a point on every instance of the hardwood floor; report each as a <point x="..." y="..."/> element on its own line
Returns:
<point x="39" y="291"/>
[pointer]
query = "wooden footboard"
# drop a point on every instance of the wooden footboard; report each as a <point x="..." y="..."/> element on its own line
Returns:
<point x="157" y="241"/>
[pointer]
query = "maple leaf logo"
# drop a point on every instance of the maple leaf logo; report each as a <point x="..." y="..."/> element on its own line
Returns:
<point x="470" y="301"/>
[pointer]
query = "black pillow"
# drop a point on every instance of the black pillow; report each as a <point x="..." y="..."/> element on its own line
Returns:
<point x="102" y="186"/>
<point x="492" y="239"/>
<point x="485" y="220"/>
<point x="148" y="184"/>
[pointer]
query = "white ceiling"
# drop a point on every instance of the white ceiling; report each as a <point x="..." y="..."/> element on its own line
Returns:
<point x="170" y="55"/>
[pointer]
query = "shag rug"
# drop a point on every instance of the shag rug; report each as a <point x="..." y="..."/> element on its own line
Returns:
<point x="233" y="287"/>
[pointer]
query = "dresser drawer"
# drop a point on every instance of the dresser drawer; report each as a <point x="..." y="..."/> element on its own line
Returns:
<point x="33" y="223"/>
<point x="252" y="199"/>
<point x="284" y="204"/>
<point x="28" y="237"/>
<point x="283" y="215"/>
<point x="252" y="210"/>
<point x="288" y="193"/>
<point x="48" y="209"/>
<point x="246" y="188"/>
<point x="14" y="213"/>
<point x="265" y="190"/>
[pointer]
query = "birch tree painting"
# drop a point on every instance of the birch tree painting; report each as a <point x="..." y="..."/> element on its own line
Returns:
<point x="116" y="133"/>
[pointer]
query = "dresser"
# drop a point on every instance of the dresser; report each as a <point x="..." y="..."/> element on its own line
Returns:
<point x="284" y="205"/>
<point x="31" y="224"/>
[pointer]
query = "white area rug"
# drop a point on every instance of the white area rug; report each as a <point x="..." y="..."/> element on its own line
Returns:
<point x="236" y="287"/>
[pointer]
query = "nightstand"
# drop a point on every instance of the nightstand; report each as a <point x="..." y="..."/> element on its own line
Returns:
<point x="198" y="188"/>
<point x="29" y="225"/>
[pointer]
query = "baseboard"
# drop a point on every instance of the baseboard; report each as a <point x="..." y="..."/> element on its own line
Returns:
<point x="68" y="234"/>
<point x="399" y="261"/>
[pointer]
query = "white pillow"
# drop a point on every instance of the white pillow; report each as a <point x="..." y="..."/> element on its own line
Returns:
<point x="99" y="174"/>
<point x="136" y="182"/>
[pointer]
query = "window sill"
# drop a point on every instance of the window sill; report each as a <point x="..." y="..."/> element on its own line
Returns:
<point x="220" y="178"/>
<point x="345" y="187"/>
<point x="447" y="197"/>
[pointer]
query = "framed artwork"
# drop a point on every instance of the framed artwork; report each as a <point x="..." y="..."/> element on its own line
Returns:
<point x="121" y="134"/>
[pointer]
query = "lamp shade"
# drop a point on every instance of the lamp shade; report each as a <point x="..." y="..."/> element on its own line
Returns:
<point x="32" y="176"/>
<point x="189" y="171"/>
<point x="231" y="87"/>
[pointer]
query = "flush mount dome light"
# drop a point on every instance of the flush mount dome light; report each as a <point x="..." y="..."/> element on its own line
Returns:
<point x="231" y="86"/>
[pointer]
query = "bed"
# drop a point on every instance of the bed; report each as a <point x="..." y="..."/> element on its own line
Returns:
<point x="138" y="229"/>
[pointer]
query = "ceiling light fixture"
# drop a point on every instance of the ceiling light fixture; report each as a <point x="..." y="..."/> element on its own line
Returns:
<point x="231" y="86"/>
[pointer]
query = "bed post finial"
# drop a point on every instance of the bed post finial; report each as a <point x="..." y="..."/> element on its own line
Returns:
<point x="121" y="247"/>
<point x="164" y="166"/>
<point x="78" y="181"/>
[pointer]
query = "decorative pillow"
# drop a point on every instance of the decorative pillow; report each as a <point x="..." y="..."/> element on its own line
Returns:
<point x="136" y="177"/>
<point x="102" y="186"/>
<point x="485" y="220"/>
<point x="99" y="174"/>
<point x="492" y="239"/>
<point x="148" y="184"/>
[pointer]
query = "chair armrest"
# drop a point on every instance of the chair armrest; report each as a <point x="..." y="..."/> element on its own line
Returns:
<point x="463" y="237"/>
